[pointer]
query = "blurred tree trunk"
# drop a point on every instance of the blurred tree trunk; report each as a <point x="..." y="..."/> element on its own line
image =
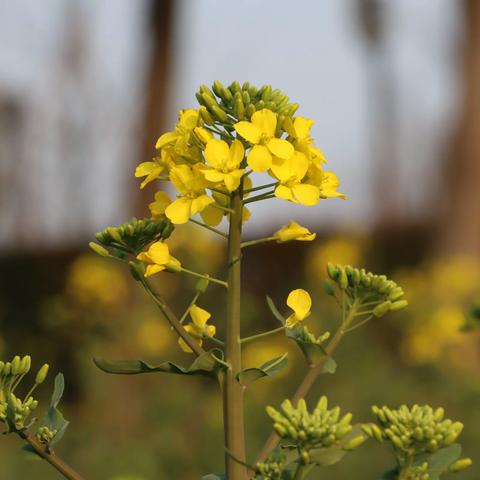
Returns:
<point x="459" y="227"/>
<point x="156" y="87"/>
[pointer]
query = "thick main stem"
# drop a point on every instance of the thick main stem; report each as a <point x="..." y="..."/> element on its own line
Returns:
<point x="232" y="390"/>
<point x="50" y="457"/>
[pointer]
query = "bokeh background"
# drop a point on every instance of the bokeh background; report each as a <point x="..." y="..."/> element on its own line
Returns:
<point x="87" y="87"/>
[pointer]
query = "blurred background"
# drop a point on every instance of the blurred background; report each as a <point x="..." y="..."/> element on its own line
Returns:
<point x="87" y="87"/>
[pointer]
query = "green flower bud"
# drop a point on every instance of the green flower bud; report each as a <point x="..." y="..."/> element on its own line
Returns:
<point x="354" y="443"/>
<point x="328" y="287"/>
<point x="267" y="93"/>
<point x="26" y="364"/>
<point x="205" y="115"/>
<point x="113" y="232"/>
<point x="219" y="113"/>
<point x="42" y="374"/>
<point x="460" y="464"/>
<point x="98" y="249"/>
<point x="382" y="309"/>
<point x="398" y="305"/>
<point x="343" y="279"/>
<point x="239" y="108"/>
<point x="332" y="271"/>
<point x="250" y="110"/>
<point x="202" y="285"/>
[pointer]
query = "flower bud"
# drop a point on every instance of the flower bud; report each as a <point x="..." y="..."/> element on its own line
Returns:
<point x="460" y="464"/>
<point x="26" y="364"/>
<point x="354" y="443"/>
<point x="398" y="305"/>
<point x="328" y="287"/>
<point x="205" y="116"/>
<point x="42" y="374"/>
<point x="202" y="285"/>
<point x="16" y="364"/>
<point x="343" y="279"/>
<point x="98" y="249"/>
<point x="382" y="309"/>
<point x="219" y="113"/>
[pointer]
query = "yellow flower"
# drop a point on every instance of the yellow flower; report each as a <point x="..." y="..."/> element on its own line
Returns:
<point x="198" y="327"/>
<point x="299" y="130"/>
<point x="203" y="134"/>
<point x="290" y="174"/>
<point x="294" y="231"/>
<point x="190" y="182"/>
<point x="158" y="207"/>
<point x="181" y="136"/>
<point x="260" y="132"/>
<point x="327" y="182"/>
<point x="300" y="302"/>
<point x="158" y="258"/>
<point x="224" y="163"/>
<point x="152" y="170"/>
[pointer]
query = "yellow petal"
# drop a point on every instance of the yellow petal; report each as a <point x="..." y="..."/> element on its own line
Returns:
<point x="200" y="203"/>
<point x="166" y="138"/>
<point x="159" y="253"/>
<point x="182" y="178"/>
<point x="248" y="131"/>
<point x="232" y="179"/>
<point x="259" y="159"/>
<point x="216" y="153"/>
<point x="266" y="121"/>
<point x="300" y="302"/>
<point x="144" y="257"/>
<point x="203" y="134"/>
<point x="302" y="127"/>
<point x="307" y="195"/>
<point x="289" y="127"/>
<point x="294" y="231"/>
<point x="281" y="148"/>
<point x="153" y="269"/>
<point x="162" y="200"/>
<point x="173" y="265"/>
<point x="245" y="214"/>
<point x="291" y="321"/>
<point x="213" y="175"/>
<point x="188" y="118"/>
<point x="237" y="152"/>
<point x="210" y="330"/>
<point x="284" y="193"/>
<point x="212" y="216"/>
<point x="145" y="168"/>
<point x="179" y="211"/>
<point x="199" y="316"/>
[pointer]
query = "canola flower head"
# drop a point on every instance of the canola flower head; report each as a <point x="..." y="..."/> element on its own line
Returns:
<point x="294" y="231"/>
<point x="300" y="302"/>
<point x="198" y="327"/>
<point x="158" y="258"/>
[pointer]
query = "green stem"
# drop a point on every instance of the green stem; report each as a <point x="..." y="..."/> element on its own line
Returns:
<point x="187" y="311"/>
<point x="256" y="242"/>
<point x="261" y="187"/>
<point x="261" y="335"/>
<point x="172" y="319"/>
<point x="206" y="277"/>
<point x="232" y="390"/>
<point x="309" y="380"/>
<point x="223" y="209"/>
<point x="49" y="456"/>
<point x="300" y="471"/>
<point x="263" y="196"/>
<point x="213" y="339"/>
<point x="219" y="190"/>
<point x="208" y="227"/>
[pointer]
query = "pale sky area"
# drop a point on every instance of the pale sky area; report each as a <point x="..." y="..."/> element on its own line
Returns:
<point x="311" y="49"/>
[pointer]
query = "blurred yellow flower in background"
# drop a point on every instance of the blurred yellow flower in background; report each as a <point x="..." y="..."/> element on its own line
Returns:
<point x="153" y="335"/>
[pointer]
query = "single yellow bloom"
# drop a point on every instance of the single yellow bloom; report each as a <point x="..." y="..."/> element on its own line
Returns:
<point x="190" y="182"/>
<point x="260" y="132"/>
<point x="160" y="204"/>
<point x="158" y="258"/>
<point x="150" y="170"/>
<point x="198" y="327"/>
<point x="224" y="163"/>
<point x="300" y="302"/>
<point x="299" y="130"/>
<point x="290" y="173"/>
<point x="327" y="182"/>
<point x="187" y="121"/>
<point x="294" y="231"/>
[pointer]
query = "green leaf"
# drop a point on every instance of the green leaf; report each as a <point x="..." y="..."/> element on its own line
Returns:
<point x="214" y="476"/>
<point x="54" y="418"/>
<point x="443" y="458"/>
<point x="58" y="389"/>
<point x="327" y="456"/>
<point x="275" y="311"/>
<point x="268" y="369"/>
<point x="313" y="352"/>
<point x="208" y="365"/>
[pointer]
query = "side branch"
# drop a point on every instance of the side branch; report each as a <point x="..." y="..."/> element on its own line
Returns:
<point x="49" y="456"/>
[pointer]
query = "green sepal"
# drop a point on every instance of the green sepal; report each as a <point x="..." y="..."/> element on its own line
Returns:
<point x="208" y="364"/>
<point x="268" y="369"/>
<point x="274" y="310"/>
<point x="54" y="419"/>
<point x="313" y="352"/>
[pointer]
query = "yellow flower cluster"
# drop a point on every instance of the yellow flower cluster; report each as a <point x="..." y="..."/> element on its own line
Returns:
<point x="206" y="158"/>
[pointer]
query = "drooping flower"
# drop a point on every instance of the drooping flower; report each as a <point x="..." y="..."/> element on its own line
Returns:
<point x="224" y="163"/>
<point x="290" y="173"/>
<point x="299" y="130"/>
<point x="191" y="184"/>
<point x="158" y="258"/>
<point x="294" y="231"/>
<point x="300" y="302"/>
<point x="326" y="182"/>
<point x="198" y="327"/>
<point x="260" y="132"/>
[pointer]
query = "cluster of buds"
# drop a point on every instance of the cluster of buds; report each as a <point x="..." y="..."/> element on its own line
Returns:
<point x="303" y="334"/>
<point x="239" y="102"/>
<point x="13" y="410"/>
<point x="383" y="294"/>
<point x="45" y="435"/>
<point x="272" y="468"/>
<point x="414" y="431"/>
<point x="132" y="237"/>
<point x="322" y="428"/>
<point x="419" y="472"/>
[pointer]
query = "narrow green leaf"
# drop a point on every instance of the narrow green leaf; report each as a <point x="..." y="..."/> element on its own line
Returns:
<point x="268" y="369"/>
<point x="443" y="458"/>
<point x="58" y="389"/>
<point x="207" y="365"/>
<point x="275" y="311"/>
<point x="327" y="456"/>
